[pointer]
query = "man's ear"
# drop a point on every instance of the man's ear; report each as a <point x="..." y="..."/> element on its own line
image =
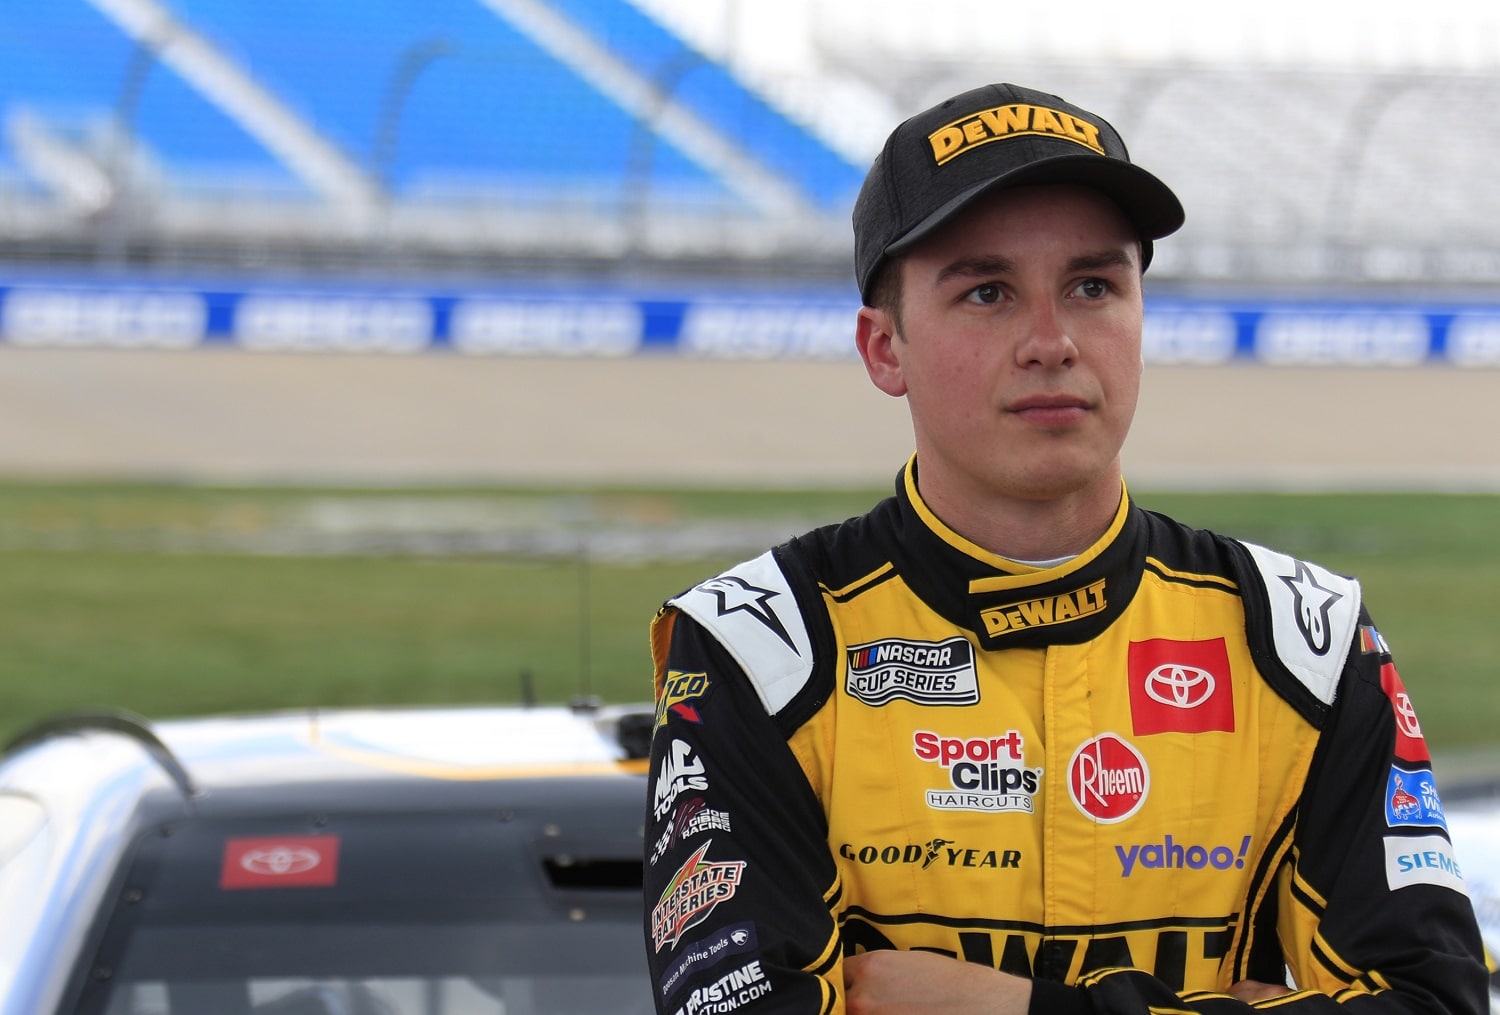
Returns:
<point x="880" y="347"/>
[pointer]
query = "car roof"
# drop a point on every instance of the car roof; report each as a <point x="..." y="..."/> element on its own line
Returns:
<point x="78" y="794"/>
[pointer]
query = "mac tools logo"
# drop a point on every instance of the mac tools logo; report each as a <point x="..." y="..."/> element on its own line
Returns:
<point x="1180" y="687"/>
<point x="681" y="770"/>
<point x="924" y="672"/>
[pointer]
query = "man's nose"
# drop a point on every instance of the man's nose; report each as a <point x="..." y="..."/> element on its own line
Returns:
<point x="1048" y="341"/>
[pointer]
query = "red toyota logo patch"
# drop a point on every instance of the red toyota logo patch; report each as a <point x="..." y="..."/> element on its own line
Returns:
<point x="1108" y="779"/>
<point x="1180" y="687"/>
<point x="1410" y="744"/>
<point x="292" y="861"/>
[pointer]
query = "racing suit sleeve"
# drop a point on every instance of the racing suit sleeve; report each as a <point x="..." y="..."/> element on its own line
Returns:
<point x="739" y="883"/>
<point x="1369" y="905"/>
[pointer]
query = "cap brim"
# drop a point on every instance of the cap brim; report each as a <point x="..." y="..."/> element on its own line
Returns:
<point x="1148" y="203"/>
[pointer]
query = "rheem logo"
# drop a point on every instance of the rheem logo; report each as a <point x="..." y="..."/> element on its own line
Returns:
<point x="1108" y="779"/>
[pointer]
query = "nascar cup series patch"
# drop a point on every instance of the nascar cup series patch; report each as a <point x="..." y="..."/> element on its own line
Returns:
<point x="923" y="672"/>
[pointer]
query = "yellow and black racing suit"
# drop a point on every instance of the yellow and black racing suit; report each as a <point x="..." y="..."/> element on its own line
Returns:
<point x="1172" y="763"/>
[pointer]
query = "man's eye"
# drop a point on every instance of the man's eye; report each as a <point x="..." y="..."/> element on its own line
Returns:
<point x="985" y="294"/>
<point x="1093" y="288"/>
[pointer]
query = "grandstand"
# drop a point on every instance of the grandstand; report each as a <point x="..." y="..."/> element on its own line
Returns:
<point x="429" y="131"/>
<point x="586" y="136"/>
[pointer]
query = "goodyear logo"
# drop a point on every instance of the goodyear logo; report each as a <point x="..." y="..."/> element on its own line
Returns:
<point x="1045" y="611"/>
<point x="1020" y="120"/>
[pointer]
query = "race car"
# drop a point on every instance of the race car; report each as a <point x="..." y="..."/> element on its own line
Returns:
<point x="463" y="861"/>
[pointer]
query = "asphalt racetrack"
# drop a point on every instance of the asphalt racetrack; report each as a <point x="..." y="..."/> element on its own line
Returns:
<point x="231" y="416"/>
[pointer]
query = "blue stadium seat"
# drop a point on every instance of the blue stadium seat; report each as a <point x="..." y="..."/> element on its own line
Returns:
<point x="433" y="99"/>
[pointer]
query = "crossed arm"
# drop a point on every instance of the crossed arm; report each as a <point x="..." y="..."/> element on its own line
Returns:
<point x="892" y="982"/>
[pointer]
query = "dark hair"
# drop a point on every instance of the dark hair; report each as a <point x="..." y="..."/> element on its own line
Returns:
<point x="885" y="288"/>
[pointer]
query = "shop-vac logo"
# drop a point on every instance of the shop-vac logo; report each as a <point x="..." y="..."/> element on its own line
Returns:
<point x="925" y="672"/>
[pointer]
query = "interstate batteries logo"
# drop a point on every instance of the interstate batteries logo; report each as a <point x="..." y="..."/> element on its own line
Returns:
<point x="984" y="773"/>
<point x="924" y="672"/>
<point x="695" y="890"/>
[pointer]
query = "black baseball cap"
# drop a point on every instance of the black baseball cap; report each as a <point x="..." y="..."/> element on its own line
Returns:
<point x="938" y="161"/>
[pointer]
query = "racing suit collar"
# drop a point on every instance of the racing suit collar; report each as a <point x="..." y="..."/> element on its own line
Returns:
<point x="1007" y="603"/>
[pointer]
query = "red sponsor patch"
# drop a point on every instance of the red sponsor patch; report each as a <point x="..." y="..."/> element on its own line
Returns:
<point x="1410" y="744"/>
<point x="1180" y="687"/>
<point x="1108" y="779"/>
<point x="695" y="890"/>
<point x="290" y="861"/>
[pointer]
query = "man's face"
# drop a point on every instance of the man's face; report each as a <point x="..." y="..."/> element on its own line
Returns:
<point x="1019" y="346"/>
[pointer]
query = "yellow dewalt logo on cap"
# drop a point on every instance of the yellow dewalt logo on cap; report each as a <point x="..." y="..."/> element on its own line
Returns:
<point x="1011" y="121"/>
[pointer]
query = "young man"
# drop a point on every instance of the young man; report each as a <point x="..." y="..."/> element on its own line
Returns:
<point x="1009" y="742"/>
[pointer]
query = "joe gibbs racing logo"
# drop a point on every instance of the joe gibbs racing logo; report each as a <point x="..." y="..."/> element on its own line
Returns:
<point x="1108" y="779"/>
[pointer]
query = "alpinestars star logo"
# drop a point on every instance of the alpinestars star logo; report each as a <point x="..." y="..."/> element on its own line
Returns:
<point x="735" y="595"/>
<point x="1311" y="604"/>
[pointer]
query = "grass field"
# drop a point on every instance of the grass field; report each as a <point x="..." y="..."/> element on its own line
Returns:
<point x="170" y="600"/>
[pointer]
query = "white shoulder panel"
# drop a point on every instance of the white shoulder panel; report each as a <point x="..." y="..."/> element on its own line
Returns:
<point x="1313" y="615"/>
<point x="751" y="610"/>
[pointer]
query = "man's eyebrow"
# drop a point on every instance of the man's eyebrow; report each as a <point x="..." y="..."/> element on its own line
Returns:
<point x="1112" y="258"/>
<point x="976" y="267"/>
<point x="993" y="264"/>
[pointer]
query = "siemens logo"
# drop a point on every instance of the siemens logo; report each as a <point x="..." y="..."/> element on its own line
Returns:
<point x="1422" y="860"/>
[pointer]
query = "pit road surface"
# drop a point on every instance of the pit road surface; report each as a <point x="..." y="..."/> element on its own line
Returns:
<point x="229" y="416"/>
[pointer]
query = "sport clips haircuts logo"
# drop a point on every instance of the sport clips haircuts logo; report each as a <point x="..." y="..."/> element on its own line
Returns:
<point x="984" y="773"/>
